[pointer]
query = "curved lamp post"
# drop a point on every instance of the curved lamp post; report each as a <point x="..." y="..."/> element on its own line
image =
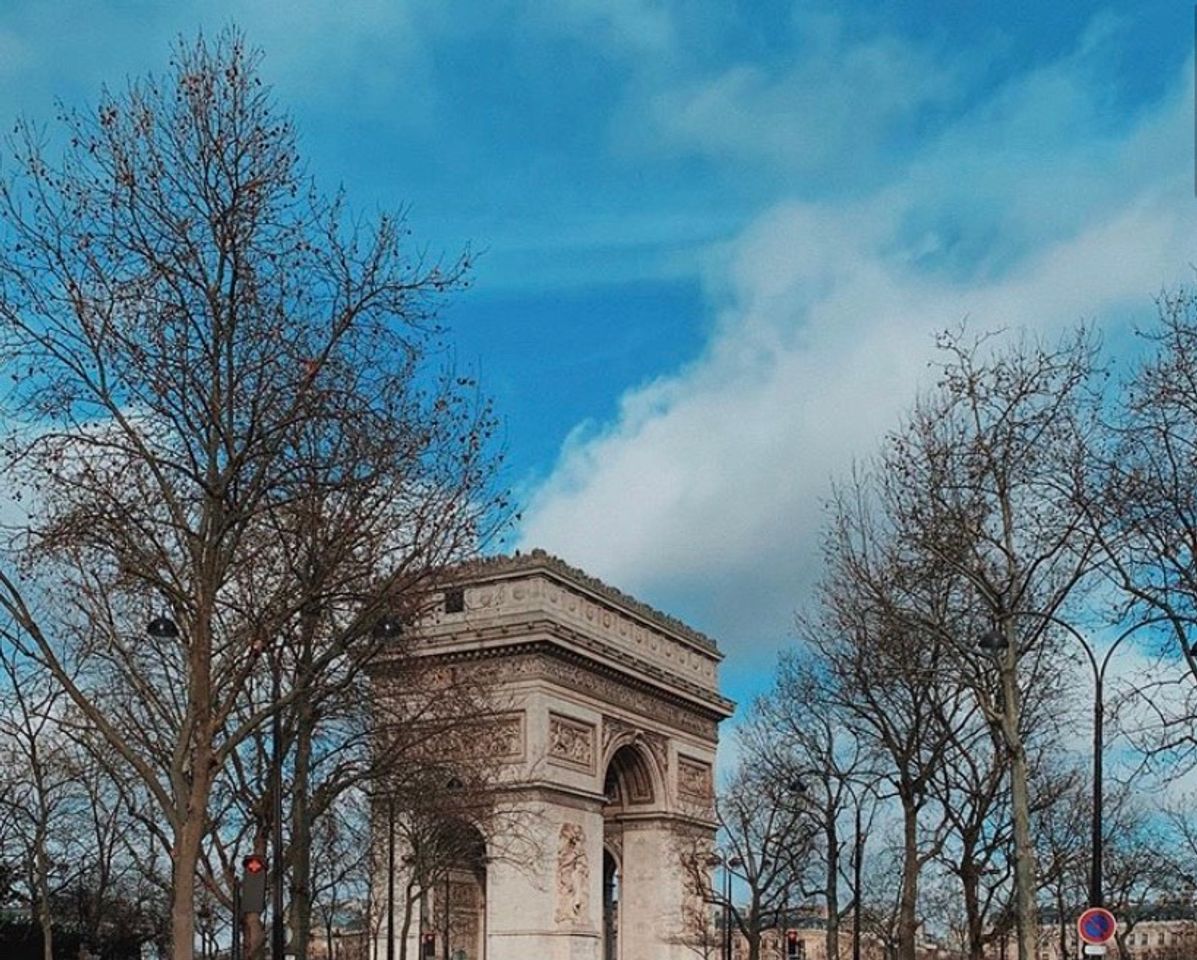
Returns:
<point x="994" y="642"/>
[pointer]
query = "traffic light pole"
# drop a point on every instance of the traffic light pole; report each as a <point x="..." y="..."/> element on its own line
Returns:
<point x="858" y="856"/>
<point x="277" y="936"/>
<point x="446" y="944"/>
<point x="390" y="878"/>
<point x="235" y="946"/>
<point x="727" y="911"/>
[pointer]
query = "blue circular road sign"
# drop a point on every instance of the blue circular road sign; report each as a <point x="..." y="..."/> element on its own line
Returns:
<point x="1096" y="925"/>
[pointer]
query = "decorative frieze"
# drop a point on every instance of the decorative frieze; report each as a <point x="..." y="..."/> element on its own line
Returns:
<point x="631" y="636"/>
<point x="694" y="779"/>
<point x="508" y="737"/>
<point x="536" y="665"/>
<point x="571" y="742"/>
<point x="604" y="688"/>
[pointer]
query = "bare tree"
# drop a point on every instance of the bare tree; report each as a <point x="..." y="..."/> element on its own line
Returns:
<point x="882" y="631"/>
<point x="1144" y="509"/>
<point x="985" y="484"/>
<point x="767" y="838"/>
<point x="1139" y="877"/>
<point x="801" y="736"/>
<point x="1148" y="516"/>
<point x="42" y="802"/>
<point x="224" y="412"/>
<point x="1063" y="823"/>
<point x="972" y="790"/>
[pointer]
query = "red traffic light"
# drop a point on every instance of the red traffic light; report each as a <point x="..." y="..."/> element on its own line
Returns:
<point x="254" y="864"/>
<point x="791" y="936"/>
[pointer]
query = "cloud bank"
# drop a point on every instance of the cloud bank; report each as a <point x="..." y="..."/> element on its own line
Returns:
<point x="1031" y="208"/>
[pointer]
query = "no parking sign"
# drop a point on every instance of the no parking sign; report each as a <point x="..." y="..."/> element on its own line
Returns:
<point x="1096" y="926"/>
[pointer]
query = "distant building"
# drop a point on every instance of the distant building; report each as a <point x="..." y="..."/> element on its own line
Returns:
<point x="1166" y="931"/>
<point x="809" y="927"/>
<point x="345" y="939"/>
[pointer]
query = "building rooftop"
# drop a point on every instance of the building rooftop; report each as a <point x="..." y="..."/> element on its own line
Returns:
<point x="501" y="565"/>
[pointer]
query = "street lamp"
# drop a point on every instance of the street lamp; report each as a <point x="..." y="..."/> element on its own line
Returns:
<point x="994" y="642"/>
<point x="858" y="846"/>
<point x="162" y="628"/>
<point x="729" y="863"/>
<point x="387" y="629"/>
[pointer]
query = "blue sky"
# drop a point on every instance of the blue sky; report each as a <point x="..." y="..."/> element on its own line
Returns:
<point x="716" y="236"/>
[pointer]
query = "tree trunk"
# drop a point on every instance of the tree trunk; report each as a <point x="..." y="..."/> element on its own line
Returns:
<point x="45" y="917"/>
<point x="1020" y="802"/>
<point x="301" y="834"/>
<point x="831" y="891"/>
<point x="908" y="903"/>
<point x="1062" y="923"/>
<point x="182" y="888"/>
<point x="972" y="914"/>
<point x="754" y="943"/>
<point x="409" y="900"/>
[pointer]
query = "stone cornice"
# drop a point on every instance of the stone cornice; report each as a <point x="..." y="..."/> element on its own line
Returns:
<point x="592" y="650"/>
<point x="502" y="566"/>
<point x="706" y="712"/>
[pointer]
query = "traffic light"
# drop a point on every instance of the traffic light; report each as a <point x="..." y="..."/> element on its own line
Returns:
<point x="429" y="945"/>
<point x="253" y="884"/>
<point x="792" y="945"/>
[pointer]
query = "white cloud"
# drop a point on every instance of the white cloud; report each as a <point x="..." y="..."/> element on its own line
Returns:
<point x="641" y="27"/>
<point x="704" y="492"/>
<point x="829" y="105"/>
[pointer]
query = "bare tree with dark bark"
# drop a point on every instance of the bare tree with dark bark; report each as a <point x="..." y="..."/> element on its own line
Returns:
<point x="881" y="632"/>
<point x="225" y="413"/>
<point x="986" y="483"/>
<point x="1144" y="509"/>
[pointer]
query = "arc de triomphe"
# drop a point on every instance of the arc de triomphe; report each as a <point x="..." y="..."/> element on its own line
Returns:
<point x="608" y="729"/>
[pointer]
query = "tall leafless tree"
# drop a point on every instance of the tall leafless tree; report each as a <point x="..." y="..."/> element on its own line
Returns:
<point x="224" y="411"/>
<point x="986" y="482"/>
<point x="767" y="837"/>
<point x="881" y="631"/>
<point x="1144" y="509"/>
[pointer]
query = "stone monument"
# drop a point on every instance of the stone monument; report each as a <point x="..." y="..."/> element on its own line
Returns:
<point x="608" y="732"/>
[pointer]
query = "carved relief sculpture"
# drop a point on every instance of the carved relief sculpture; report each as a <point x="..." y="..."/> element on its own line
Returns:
<point x="571" y="741"/>
<point x="508" y="737"/>
<point x="693" y="779"/>
<point x="573" y="875"/>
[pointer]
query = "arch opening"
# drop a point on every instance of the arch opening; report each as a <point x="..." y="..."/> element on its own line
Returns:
<point x="456" y="921"/>
<point x="610" y="906"/>
<point x="629" y="779"/>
